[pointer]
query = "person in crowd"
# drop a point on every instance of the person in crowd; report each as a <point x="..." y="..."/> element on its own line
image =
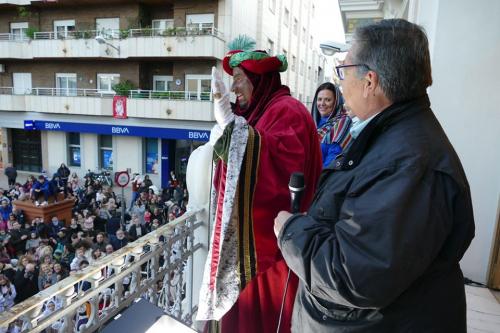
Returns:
<point x="4" y="253"/>
<point x="100" y="242"/>
<point x="56" y="186"/>
<point x="136" y="229"/>
<point x="46" y="277"/>
<point x="138" y="210"/>
<point x="41" y="189"/>
<point x="7" y="293"/>
<point x="33" y="242"/>
<point x="380" y="246"/>
<point x="332" y="121"/>
<point x="64" y="172"/>
<point x="5" y="211"/>
<point x="11" y="173"/>
<point x="60" y="272"/>
<point x="119" y="241"/>
<point x="26" y="282"/>
<point x="18" y="238"/>
<point x="55" y="226"/>
<point x="136" y="182"/>
<point x="8" y="270"/>
<point x="273" y="132"/>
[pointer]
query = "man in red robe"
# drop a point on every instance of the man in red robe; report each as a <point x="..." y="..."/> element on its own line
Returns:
<point x="258" y="143"/>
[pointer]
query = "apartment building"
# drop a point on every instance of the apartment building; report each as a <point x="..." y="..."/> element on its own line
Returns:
<point x="60" y="62"/>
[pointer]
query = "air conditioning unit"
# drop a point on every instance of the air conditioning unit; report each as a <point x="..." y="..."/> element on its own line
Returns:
<point x="2" y="68"/>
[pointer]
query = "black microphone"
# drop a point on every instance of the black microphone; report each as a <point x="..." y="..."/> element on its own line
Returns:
<point x="296" y="186"/>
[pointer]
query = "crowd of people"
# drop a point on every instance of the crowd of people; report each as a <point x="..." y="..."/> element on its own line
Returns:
<point x="35" y="254"/>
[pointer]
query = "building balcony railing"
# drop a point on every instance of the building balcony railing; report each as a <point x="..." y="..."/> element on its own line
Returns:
<point x="164" y="267"/>
<point x="198" y="40"/>
<point x="175" y="105"/>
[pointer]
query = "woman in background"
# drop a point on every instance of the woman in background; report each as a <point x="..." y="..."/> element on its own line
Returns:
<point x="332" y="121"/>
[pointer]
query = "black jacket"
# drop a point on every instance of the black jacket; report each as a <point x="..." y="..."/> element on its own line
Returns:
<point x="379" y="249"/>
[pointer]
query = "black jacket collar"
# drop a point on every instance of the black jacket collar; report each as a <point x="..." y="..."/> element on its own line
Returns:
<point x="390" y="115"/>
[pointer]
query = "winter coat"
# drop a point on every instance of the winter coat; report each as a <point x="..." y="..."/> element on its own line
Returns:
<point x="379" y="248"/>
<point x="10" y="172"/>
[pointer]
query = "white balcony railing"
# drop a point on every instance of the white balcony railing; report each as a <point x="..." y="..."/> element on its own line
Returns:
<point x="74" y="92"/>
<point x="164" y="267"/>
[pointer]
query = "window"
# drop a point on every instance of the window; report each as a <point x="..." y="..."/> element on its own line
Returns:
<point x="22" y="83"/>
<point x="18" y="30"/>
<point x="311" y="42"/>
<point x="286" y="17"/>
<point x="66" y="84"/>
<point x="73" y="141"/>
<point x="198" y="87"/>
<point x="27" y="150"/>
<point x="294" y="62"/>
<point x="108" y="27"/>
<point x="203" y="23"/>
<point x="309" y="72"/>
<point x="272" y="5"/>
<point x="151" y="155"/>
<point x="304" y="35"/>
<point x="295" y="26"/>
<point x="106" y="152"/>
<point x="163" y="83"/>
<point x="270" y="47"/>
<point x="159" y="26"/>
<point x="313" y="11"/>
<point x="301" y="69"/>
<point x="63" y="28"/>
<point x="105" y="82"/>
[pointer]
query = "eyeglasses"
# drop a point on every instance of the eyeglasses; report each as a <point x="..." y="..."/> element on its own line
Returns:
<point x="340" y="69"/>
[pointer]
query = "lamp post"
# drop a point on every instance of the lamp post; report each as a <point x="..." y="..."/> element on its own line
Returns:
<point x="100" y="39"/>
<point x="329" y="48"/>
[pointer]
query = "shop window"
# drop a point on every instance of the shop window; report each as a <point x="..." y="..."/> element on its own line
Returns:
<point x="74" y="156"/>
<point x="27" y="150"/>
<point x="151" y="155"/>
<point x="106" y="152"/>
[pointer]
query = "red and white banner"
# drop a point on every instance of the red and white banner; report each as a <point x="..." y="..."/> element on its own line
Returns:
<point x="120" y="107"/>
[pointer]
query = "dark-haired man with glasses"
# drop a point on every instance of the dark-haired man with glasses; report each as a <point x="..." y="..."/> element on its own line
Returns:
<point x="379" y="248"/>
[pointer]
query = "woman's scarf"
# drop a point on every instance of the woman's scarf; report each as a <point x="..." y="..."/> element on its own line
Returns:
<point x="334" y="120"/>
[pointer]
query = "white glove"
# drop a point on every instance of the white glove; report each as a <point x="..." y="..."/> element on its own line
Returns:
<point x="215" y="134"/>
<point x="222" y="107"/>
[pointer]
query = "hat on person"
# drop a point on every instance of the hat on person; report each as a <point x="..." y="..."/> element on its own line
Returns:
<point x="256" y="61"/>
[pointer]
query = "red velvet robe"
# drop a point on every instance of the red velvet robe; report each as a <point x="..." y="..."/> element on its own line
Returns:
<point x="288" y="143"/>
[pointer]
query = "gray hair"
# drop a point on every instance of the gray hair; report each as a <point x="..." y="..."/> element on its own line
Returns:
<point x="398" y="51"/>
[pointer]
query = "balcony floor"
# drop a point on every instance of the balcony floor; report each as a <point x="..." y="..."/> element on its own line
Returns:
<point x="483" y="310"/>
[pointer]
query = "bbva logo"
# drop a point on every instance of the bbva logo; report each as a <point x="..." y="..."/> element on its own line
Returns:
<point x="198" y="135"/>
<point x="52" y="126"/>
<point x="119" y="130"/>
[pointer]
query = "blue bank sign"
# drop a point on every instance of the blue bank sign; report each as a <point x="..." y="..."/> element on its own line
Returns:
<point x="150" y="132"/>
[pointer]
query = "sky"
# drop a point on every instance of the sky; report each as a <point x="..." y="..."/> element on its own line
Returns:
<point x="329" y="21"/>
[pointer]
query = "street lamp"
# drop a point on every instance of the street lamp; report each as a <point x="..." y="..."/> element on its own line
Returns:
<point x="100" y="39"/>
<point x="329" y="48"/>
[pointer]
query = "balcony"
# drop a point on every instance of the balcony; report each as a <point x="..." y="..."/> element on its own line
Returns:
<point x="172" y="105"/>
<point x="192" y="41"/>
<point x="164" y="267"/>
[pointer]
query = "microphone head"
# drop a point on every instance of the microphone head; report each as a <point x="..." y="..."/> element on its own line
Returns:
<point x="296" y="182"/>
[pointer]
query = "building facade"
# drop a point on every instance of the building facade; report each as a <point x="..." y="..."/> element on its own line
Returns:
<point x="59" y="62"/>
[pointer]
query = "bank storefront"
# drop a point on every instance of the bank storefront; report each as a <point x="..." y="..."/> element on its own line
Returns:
<point x="83" y="145"/>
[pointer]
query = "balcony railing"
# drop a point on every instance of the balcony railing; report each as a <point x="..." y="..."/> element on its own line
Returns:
<point x="143" y="94"/>
<point x="189" y="30"/>
<point x="159" y="267"/>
